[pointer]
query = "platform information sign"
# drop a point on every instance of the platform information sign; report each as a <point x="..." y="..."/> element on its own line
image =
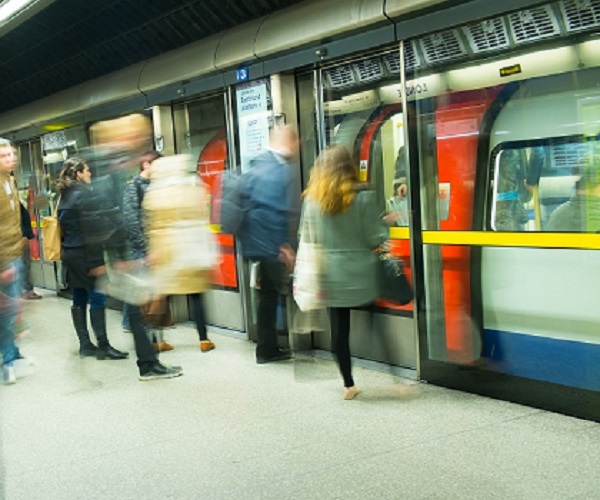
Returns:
<point x="253" y="120"/>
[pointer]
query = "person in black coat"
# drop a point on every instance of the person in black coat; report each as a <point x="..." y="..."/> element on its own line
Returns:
<point x="77" y="199"/>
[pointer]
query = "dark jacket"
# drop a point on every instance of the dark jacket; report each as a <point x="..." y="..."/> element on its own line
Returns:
<point x="26" y="229"/>
<point x="269" y="206"/>
<point x="76" y="201"/>
<point x="133" y="219"/>
<point x="73" y="202"/>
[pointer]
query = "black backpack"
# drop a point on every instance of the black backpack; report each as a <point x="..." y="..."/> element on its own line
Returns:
<point x="232" y="214"/>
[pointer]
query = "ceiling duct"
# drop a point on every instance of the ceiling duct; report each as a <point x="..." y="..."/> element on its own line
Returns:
<point x="487" y="35"/>
<point x="533" y="24"/>
<point x="391" y="60"/>
<point x="369" y="70"/>
<point x="340" y="76"/>
<point x="443" y="46"/>
<point x="580" y="15"/>
<point x="566" y="153"/>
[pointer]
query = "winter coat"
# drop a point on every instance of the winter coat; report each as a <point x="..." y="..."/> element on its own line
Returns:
<point x="77" y="258"/>
<point x="11" y="244"/>
<point x="348" y="239"/>
<point x="175" y="198"/>
<point x="133" y="219"/>
<point x="269" y="205"/>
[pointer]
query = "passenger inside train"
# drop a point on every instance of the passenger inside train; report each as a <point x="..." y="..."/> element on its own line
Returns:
<point x="582" y="212"/>
<point x="397" y="205"/>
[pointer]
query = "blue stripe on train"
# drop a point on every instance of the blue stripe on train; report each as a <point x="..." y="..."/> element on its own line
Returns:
<point x="565" y="362"/>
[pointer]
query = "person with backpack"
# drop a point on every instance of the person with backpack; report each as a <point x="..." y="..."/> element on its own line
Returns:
<point x="133" y="220"/>
<point x="270" y="207"/>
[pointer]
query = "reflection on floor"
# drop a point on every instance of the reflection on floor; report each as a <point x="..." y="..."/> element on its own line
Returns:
<point x="74" y="429"/>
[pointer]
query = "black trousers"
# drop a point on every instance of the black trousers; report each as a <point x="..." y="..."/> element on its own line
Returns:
<point x="144" y="351"/>
<point x="271" y="279"/>
<point x="339" y="318"/>
<point x="198" y="313"/>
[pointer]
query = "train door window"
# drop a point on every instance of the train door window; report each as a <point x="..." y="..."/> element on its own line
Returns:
<point x="549" y="186"/>
<point x="200" y="131"/>
<point x="307" y="123"/>
<point x="362" y="110"/>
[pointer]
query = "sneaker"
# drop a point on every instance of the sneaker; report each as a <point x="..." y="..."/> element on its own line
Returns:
<point x="31" y="295"/>
<point x="8" y="373"/>
<point x="24" y="366"/>
<point x="159" y="370"/>
<point x="280" y="355"/>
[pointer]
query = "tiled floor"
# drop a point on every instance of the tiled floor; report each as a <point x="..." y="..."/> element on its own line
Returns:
<point x="85" y="429"/>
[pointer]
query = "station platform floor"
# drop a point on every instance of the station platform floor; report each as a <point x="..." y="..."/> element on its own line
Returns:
<point x="74" y="428"/>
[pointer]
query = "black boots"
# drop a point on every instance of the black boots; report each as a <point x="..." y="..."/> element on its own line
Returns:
<point x="105" y="350"/>
<point x="86" y="347"/>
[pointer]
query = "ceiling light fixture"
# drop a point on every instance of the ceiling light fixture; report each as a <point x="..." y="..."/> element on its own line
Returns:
<point x="9" y="8"/>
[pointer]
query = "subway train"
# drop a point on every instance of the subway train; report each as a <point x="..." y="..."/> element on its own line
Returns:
<point x="479" y="121"/>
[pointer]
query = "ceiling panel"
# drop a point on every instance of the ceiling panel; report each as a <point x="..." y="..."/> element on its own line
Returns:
<point x="72" y="41"/>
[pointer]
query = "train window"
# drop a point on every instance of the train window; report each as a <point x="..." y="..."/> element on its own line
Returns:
<point x="362" y="110"/>
<point x="553" y="185"/>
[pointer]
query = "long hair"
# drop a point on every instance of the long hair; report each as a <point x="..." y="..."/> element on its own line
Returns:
<point x="333" y="181"/>
<point x="68" y="174"/>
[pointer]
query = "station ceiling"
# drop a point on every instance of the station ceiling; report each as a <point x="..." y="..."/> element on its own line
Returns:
<point x="71" y="41"/>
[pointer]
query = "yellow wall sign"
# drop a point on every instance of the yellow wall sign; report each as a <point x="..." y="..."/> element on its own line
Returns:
<point x="514" y="69"/>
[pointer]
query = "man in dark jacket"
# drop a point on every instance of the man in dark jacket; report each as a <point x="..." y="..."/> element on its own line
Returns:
<point x="270" y="207"/>
<point x="132" y="215"/>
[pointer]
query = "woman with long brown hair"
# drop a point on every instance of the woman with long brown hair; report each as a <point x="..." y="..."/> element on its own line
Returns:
<point x="74" y="185"/>
<point x="349" y="229"/>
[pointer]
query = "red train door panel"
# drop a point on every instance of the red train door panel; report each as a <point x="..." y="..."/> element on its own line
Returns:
<point x="211" y="164"/>
<point x="458" y="120"/>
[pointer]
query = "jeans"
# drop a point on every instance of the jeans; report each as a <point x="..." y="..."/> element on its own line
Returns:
<point x="9" y="309"/>
<point x="83" y="296"/>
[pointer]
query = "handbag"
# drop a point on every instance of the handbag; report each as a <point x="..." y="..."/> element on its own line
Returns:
<point x="51" y="236"/>
<point x="195" y="245"/>
<point x="307" y="289"/>
<point x="393" y="284"/>
<point x="157" y="312"/>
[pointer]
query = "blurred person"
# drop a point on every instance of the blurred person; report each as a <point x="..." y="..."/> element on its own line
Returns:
<point x="582" y="212"/>
<point x="512" y="192"/>
<point x="11" y="248"/>
<point x="118" y="145"/>
<point x="133" y="221"/>
<point x="349" y="230"/>
<point x="269" y="203"/>
<point x="27" y="232"/>
<point x="77" y="198"/>
<point x="176" y="207"/>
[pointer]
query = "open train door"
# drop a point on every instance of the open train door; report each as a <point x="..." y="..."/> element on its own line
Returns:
<point x="223" y="302"/>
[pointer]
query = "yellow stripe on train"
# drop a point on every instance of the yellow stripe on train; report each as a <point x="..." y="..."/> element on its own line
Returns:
<point x="587" y="241"/>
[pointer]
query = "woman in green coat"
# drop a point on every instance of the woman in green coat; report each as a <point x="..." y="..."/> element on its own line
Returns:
<point x="346" y="219"/>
